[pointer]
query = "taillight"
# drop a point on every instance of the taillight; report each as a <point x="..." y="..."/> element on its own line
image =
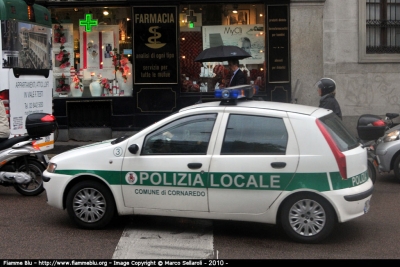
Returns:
<point x="339" y="156"/>
<point x="48" y="118"/>
<point x="35" y="146"/>
<point x="4" y="96"/>
<point x="379" y="123"/>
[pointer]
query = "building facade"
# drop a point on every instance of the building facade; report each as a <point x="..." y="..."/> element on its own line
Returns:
<point x="354" y="42"/>
<point x="292" y="43"/>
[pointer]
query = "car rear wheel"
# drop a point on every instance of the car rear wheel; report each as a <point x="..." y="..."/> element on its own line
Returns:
<point x="307" y="218"/>
<point x="90" y="205"/>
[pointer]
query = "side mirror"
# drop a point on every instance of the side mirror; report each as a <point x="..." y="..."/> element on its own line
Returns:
<point x="133" y="148"/>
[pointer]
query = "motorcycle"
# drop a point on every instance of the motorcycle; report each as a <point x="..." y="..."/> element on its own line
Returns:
<point x="374" y="133"/>
<point x="21" y="161"/>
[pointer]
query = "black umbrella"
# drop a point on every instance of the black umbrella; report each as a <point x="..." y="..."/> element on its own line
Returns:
<point x="222" y="53"/>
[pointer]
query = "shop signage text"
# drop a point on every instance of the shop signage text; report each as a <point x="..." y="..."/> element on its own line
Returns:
<point x="278" y="44"/>
<point x="155" y="18"/>
<point x="155" y="45"/>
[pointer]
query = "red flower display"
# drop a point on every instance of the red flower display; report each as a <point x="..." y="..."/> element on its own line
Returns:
<point x="62" y="87"/>
<point x="120" y="63"/>
<point x="63" y="55"/>
<point x="78" y="83"/>
<point x="222" y="75"/>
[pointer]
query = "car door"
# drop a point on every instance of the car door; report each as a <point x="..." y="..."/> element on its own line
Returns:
<point x="255" y="157"/>
<point x="171" y="171"/>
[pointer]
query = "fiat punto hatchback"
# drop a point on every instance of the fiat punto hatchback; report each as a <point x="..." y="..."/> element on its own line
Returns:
<point x="245" y="160"/>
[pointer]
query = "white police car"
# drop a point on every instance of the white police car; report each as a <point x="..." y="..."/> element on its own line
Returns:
<point x="239" y="160"/>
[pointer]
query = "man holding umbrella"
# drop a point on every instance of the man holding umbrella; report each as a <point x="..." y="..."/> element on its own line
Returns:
<point x="238" y="77"/>
<point x="229" y="53"/>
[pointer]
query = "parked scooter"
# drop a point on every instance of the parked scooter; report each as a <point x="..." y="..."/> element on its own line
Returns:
<point x="374" y="132"/>
<point x="21" y="162"/>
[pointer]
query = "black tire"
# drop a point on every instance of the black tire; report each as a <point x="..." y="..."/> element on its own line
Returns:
<point x="95" y="210"/>
<point x="371" y="171"/>
<point x="35" y="187"/>
<point x="396" y="167"/>
<point x="307" y="218"/>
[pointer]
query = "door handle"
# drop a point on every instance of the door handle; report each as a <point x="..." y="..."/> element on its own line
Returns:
<point x="194" y="165"/>
<point x="278" y="165"/>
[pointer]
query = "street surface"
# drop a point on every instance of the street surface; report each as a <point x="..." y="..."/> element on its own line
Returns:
<point x="31" y="229"/>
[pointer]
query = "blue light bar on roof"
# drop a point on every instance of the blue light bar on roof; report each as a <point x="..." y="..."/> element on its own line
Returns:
<point x="236" y="92"/>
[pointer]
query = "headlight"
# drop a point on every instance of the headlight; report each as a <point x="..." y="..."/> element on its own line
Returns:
<point x="51" y="167"/>
<point x="392" y="136"/>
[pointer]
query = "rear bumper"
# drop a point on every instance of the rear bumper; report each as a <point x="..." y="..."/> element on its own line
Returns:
<point x="359" y="196"/>
<point x="351" y="203"/>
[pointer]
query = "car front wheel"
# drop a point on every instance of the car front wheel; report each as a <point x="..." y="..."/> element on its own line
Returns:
<point x="307" y="218"/>
<point x="90" y="204"/>
<point x="396" y="167"/>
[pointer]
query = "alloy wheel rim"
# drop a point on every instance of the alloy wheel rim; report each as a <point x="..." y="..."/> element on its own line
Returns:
<point x="89" y="205"/>
<point x="307" y="217"/>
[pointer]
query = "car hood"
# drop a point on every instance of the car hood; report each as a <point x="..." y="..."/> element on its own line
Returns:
<point x="93" y="156"/>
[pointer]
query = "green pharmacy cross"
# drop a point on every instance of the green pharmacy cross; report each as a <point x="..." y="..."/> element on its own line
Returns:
<point x="88" y="22"/>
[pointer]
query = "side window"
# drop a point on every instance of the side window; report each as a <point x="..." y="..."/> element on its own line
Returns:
<point x="379" y="37"/>
<point x="189" y="135"/>
<point x="255" y="135"/>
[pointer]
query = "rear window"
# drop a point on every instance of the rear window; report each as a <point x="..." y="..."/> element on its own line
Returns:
<point x="342" y="137"/>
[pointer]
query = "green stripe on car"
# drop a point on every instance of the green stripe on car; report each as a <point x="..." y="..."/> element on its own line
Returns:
<point x="250" y="181"/>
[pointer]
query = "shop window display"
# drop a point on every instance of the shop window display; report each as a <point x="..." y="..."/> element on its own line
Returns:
<point x="98" y="51"/>
<point x="208" y="25"/>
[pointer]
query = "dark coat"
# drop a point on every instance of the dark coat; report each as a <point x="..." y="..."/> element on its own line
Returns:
<point x="239" y="78"/>
<point x="329" y="102"/>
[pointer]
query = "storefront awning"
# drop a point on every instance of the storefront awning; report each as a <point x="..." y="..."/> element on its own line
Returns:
<point x="18" y="10"/>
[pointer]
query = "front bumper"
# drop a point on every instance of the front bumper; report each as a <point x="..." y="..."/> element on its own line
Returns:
<point x="385" y="153"/>
<point x="55" y="185"/>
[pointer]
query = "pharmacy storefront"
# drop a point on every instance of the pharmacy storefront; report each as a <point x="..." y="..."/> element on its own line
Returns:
<point x="120" y="66"/>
